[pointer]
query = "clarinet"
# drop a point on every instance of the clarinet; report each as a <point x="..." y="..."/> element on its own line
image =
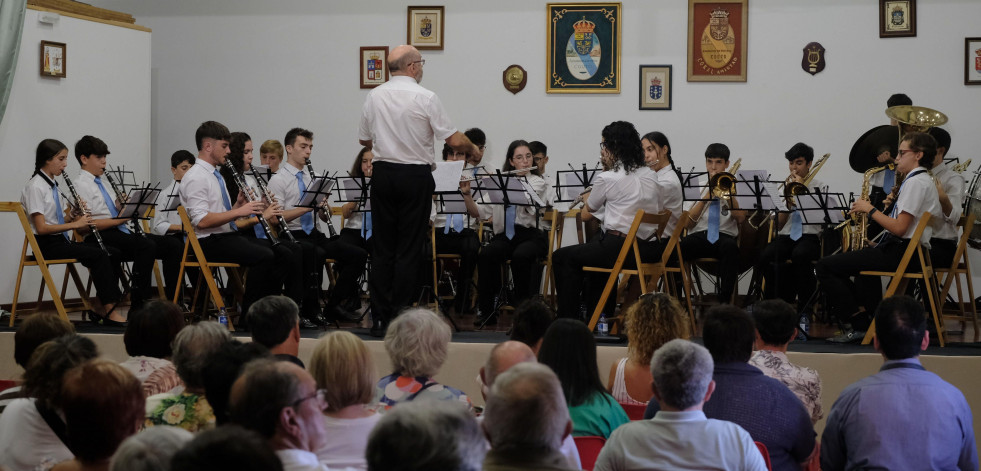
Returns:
<point x="269" y="197"/>
<point x="137" y="227"/>
<point x="330" y="222"/>
<point x="79" y="203"/>
<point x="250" y="196"/>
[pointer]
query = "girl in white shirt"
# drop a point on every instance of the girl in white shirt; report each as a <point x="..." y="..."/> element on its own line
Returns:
<point x="357" y="224"/>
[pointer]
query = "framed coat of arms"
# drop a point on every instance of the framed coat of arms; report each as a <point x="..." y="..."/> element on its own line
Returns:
<point x="717" y="38"/>
<point x="425" y="28"/>
<point x="655" y="87"/>
<point x="583" y="48"/>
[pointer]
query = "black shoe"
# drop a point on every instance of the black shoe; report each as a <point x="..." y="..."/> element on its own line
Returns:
<point x="307" y="324"/>
<point x="848" y="336"/>
<point x="378" y="328"/>
<point x="341" y="314"/>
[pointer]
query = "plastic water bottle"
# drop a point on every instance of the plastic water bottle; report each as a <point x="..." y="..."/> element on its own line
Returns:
<point x="602" y="327"/>
<point x="223" y="318"/>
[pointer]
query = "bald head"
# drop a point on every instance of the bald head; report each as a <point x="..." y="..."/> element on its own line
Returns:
<point x="505" y="355"/>
<point x="403" y="60"/>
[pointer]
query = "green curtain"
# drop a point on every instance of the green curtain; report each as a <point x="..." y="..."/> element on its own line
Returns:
<point x="11" y="27"/>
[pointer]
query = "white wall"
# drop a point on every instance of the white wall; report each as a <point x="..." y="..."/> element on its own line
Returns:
<point x="106" y="94"/>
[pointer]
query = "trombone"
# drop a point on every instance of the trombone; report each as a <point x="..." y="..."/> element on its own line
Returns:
<point x="722" y="185"/>
<point x="792" y="188"/>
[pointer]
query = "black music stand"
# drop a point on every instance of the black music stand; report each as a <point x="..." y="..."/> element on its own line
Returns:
<point x="138" y="203"/>
<point x="316" y="192"/>
<point x="756" y="193"/>
<point x="569" y="184"/>
<point x="692" y="187"/>
<point x="355" y="190"/>
<point x="827" y="210"/>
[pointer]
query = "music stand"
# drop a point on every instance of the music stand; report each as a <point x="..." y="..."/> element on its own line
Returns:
<point x="825" y="209"/>
<point x="126" y="178"/>
<point x="138" y="202"/>
<point x="692" y="187"/>
<point x="354" y="190"/>
<point x="569" y="184"/>
<point x="316" y="192"/>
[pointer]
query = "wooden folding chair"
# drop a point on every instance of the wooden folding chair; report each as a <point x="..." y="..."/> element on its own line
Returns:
<point x="156" y="266"/>
<point x="948" y="276"/>
<point x="557" y="220"/>
<point x="629" y="244"/>
<point x="35" y="258"/>
<point x="901" y="276"/>
<point x="439" y="260"/>
<point x="659" y="271"/>
<point x="194" y="257"/>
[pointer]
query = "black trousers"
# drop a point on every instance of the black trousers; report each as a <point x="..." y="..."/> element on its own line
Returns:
<point x="55" y="246"/>
<point x="942" y="252"/>
<point x="353" y="237"/>
<point x="574" y="286"/>
<point x="169" y="250"/>
<point x="401" y="200"/>
<point x="526" y="250"/>
<point x="796" y="281"/>
<point x="350" y="261"/>
<point x="466" y="244"/>
<point x="266" y="272"/>
<point x="726" y="250"/>
<point x="131" y="248"/>
<point x="845" y="297"/>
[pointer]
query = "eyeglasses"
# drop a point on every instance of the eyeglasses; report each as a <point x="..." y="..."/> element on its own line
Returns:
<point x="903" y="152"/>
<point x="602" y="144"/>
<point x="421" y="62"/>
<point x="481" y="148"/>
<point x="320" y="394"/>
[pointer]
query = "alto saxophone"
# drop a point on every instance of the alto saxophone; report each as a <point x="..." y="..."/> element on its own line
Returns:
<point x="858" y="229"/>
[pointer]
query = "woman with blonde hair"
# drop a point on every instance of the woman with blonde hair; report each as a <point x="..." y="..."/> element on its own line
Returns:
<point x="654" y="320"/>
<point x="342" y="366"/>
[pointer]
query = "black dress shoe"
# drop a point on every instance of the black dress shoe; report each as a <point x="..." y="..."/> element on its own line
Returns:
<point x="341" y="314"/>
<point x="307" y="324"/>
<point x="378" y="328"/>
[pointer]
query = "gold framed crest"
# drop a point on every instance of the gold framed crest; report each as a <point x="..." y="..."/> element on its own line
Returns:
<point x="717" y="39"/>
<point x="583" y="48"/>
<point x="424" y="30"/>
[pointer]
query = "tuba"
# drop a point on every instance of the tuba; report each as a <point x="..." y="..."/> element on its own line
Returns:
<point x="723" y="185"/>
<point x="911" y="118"/>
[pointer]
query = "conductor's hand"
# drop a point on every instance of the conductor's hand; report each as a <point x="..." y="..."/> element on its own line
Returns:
<point x="248" y="209"/>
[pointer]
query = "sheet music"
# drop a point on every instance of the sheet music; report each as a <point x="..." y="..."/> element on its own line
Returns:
<point x="317" y="192"/>
<point x="452" y="203"/>
<point x="572" y="185"/>
<point x="812" y="212"/>
<point x="351" y="191"/>
<point x="517" y="194"/>
<point x="694" y="188"/>
<point x="139" y="201"/>
<point x="746" y="191"/>
<point x="447" y="176"/>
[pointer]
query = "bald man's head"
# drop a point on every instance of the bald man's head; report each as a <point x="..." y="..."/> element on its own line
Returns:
<point x="405" y="60"/>
<point x="503" y="356"/>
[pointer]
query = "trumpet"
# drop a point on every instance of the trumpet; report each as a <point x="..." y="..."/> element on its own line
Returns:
<point x="723" y="185"/>
<point x="284" y="228"/>
<point x="80" y="204"/>
<point x="137" y="227"/>
<point x="507" y="173"/>
<point x="251" y="196"/>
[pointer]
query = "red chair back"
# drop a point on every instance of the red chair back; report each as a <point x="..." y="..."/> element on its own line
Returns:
<point x="634" y="411"/>
<point x="766" y="455"/>
<point x="589" y="450"/>
<point x="7" y="384"/>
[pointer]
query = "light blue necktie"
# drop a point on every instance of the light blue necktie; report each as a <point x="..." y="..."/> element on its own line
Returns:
<point x="112" y="206"/>
<point x="224" y="196"/>
<point x="306" y="220"/>
<point x="796" y="225"/>
<point x="510" y="214"/>
<point x="61" y="213"/>
<point x="888" y="180"/>
<point x="715" y="210"/>
<point x="366" y="227"/>
<point x="456" y="222"/>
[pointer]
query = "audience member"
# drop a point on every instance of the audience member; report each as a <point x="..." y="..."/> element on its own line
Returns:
<point x="902" y="417"/>
<point x="189" y="409"/>
<point x="150" y="332"/>
<point x="416" y="342"/>
<point x="228" y="447"/>
<point x="150" y="450"/>
<point x="650" y="322"/>
<point x="103" y="405"/>
<point x="526" y="420"/>
<point x="32" y="332"/>
<point x="36" y="419"/>
<point x="531" y="320"/>
<point x="275" y="323"/>
<point x="426" y="435"/>
<point x="570" y="350"/>
<point x="680" y="436"/>
<point x="342" y="366"/>
<point x="745" y="396"/>
<point x="222" y="369"/>
<point x="776" y="326"/>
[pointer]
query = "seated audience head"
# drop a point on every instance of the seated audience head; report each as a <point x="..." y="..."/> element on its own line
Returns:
<point x="425" y="435"/>
<point x="46" y="370"/>
<point x="150" y="330"/>
<point x="223" y="368"/>
<point x="621" y="147"/>
<point x="275" y="324"/>
<point x="502" y="357"/>
<point x="569" y="348"/>
<point x="682" y="372"/>
<point x="479" y="139"/>
<point x="653" y="320"/>
<point x="526" y="411"/>
<point x="342" y="366"/>
<point x="417" y="342"/>
<point x="103" y="405"/>
<point x="150" y="450"/>
<point x="192" y="347"/>
<point x="729" y="334"/>
<point x="775" y="321"/>
<point x="227" y="447"/>
<point x="281" y="401"/>
<point x="271" y="154"/>
<point x="531" y="320"/>
<point x="180" y="162"/>
<point x="362" y="163"/>
<point x="34" y="331"/>
<point x="900" y="328"/>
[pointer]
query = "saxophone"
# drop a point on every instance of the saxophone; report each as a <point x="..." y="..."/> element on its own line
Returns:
<point x="857" y="231"/>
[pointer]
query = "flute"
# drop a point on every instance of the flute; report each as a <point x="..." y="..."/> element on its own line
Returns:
<point x="271" y="199"/>
<point x="507" y="173"/>
<point x="330" y="222"/>
<point x="249" y="195"/>
<point x="137" y="227"/>
<point x="80" y="204"/>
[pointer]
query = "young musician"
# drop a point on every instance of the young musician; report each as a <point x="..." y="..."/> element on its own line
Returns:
<point x="479" y="139"/>
<point x="271" y="155"/>
<point x="288" y="184"/>
<point x="357" y="224"/>
<point x="712" y="230"/>
<point x="454" y="235"/>
<point x="166" y="225"/>
<point x="883" y="181"/>
<point x="796" y="241"/>
<point x="53" y="228"/>
<point x="917" y="195"/>
<point x="516" y="237"/>
<point x="203" y="195"/>
<point x="622" y="190"/>
<point x="657" y="155"/>
<point x="539" y="159"/>
<point x="950" y="190"/>
<point x="95" y="189"/>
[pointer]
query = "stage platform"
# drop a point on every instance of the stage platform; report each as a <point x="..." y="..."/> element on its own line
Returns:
<point x="838" y="366"/>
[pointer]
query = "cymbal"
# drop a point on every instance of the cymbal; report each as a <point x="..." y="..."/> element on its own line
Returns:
<point x="871" y="144"/>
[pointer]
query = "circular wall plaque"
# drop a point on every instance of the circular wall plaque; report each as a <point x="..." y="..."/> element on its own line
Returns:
<point x="515" y="78"/>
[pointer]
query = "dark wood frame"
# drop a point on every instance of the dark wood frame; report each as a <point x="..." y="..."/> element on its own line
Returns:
<point x="440" y="33"/>
<point x="642" y="92"/>
<point x="555" y="47"/>
<point x="967" y="60"/>
<point x="362" y="69"/>
<point x="64" y="59"/>
<point x="743" y="43"/>
<point x="897" y="34"/>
